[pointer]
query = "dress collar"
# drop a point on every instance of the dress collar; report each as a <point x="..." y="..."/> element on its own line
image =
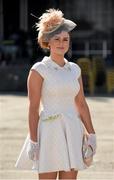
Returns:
<point x="56" y="66"/>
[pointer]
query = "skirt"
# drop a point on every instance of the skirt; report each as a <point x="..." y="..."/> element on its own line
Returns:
<point x="60" y="144"/>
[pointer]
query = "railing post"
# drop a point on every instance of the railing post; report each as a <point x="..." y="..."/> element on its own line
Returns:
<point x="87" y="48"/>
<point x="1" y="21"/>
<point x="104" y="53"/>
<point x="24" y="15"/>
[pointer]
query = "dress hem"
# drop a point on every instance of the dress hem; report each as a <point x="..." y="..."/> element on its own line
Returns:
<point x="53" y="170"/>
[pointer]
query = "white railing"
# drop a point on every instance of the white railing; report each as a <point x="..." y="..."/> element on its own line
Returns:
<point x="103" y="51"/>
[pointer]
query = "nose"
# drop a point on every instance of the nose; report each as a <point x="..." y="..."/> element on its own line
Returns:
<point x="61" y="42"/>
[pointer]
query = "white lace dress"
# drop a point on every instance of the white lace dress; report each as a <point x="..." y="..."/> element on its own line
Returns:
<point x="60" y="130"/>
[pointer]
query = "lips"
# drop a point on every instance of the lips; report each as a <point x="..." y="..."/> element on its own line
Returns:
<point x="60" y="48"/>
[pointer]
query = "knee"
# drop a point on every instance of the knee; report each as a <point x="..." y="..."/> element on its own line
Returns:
<point x="50" y="175"/>
<point x="72" y="174"/>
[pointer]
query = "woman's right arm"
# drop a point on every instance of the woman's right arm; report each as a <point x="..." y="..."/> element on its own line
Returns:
<point x="34" y="86"/>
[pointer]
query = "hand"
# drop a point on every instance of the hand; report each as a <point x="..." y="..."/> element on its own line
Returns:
<point x="92" y="142"/>
<point x="32" y="150"/>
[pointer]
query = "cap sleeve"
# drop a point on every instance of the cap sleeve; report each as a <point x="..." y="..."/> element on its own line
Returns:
<point x="76" y="70"/>
<point x="40" y="68"/>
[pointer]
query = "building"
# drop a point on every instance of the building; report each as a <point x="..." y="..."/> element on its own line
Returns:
<point x="94" y="35"/>
<point x="92" y="17"/>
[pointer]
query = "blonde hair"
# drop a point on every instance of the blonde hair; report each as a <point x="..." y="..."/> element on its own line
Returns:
<point x="48" y="21"/>
<point x="43" y="44"/>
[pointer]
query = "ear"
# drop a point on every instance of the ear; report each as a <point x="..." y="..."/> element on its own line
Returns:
<point x="48" y="46"/>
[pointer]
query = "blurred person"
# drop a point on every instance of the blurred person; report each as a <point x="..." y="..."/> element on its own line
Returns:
<point x="58" y="112"/>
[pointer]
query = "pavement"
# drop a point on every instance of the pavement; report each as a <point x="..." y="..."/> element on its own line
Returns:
<point x="13" y="131"/>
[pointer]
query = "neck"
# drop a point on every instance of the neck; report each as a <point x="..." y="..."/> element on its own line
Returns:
<point x="59" y="59"/>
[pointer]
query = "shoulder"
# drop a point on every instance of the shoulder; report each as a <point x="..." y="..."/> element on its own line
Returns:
<point x="75" y="67"/>
<point x="39" y="67"/>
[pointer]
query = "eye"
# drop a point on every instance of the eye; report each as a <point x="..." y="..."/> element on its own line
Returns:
<point x="57" y="39"/>
<point x="65" y="39"/>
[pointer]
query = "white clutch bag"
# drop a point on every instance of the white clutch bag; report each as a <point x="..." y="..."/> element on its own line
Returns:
<point x="87" y="152"/>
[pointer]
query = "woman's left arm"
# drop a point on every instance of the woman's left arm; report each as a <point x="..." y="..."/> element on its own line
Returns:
<point x="86" y="117"/>
<point x="84" y="109"/>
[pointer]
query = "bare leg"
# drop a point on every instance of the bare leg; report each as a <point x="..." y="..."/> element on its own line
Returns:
<point x="50" y="175"/>
<point x="68" y="174"/>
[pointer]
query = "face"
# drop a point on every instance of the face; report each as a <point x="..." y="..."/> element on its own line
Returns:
<point x="59" y="44"/>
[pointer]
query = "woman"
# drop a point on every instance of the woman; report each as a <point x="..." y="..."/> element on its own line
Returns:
<point x="57" y="106"/>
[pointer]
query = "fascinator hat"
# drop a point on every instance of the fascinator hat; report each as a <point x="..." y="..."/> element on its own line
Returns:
<point x="51" y="23"/>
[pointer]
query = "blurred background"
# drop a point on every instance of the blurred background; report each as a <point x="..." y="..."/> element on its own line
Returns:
<point x="92" y="48"/>
<point x="92" y="41"/>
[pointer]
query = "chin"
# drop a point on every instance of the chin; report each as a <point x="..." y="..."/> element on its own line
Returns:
<point x="61" y="53"/>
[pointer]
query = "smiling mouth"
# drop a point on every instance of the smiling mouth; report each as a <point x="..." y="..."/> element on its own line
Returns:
<point x="60" y="48"/>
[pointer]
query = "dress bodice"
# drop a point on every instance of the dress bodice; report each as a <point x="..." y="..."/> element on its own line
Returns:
<point x="60" y="85"/>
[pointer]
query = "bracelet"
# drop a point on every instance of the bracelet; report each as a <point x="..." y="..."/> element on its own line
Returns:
<point x="33" y="142"/>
